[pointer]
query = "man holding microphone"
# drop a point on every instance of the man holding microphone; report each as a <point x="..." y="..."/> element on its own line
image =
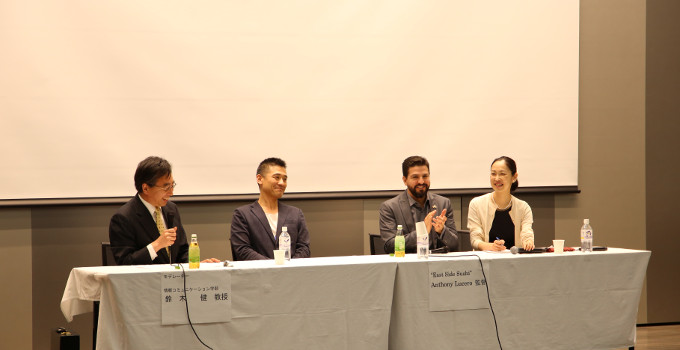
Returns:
<point x="148" y="228"/>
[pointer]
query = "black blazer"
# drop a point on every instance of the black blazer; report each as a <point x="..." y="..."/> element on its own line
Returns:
<point x="252" y="237"/>
<point x="132" y="228"/>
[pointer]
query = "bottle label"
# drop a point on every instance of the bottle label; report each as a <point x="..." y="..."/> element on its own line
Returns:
<point x="423" y="246"/>
<point x="399" y="246"/>
<point x="586" y="234"/>
<point x="194" y="257"/>
<point x="194" y="254"/>
<point x="284" y="243"/>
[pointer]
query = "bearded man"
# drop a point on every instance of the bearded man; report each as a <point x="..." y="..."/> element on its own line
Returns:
<point x="417" y="204"/>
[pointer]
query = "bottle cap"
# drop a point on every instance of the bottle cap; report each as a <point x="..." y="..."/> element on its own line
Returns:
<point x="285" y="228"/>
<point x="193" y="235"/>
<point x="398" y="227"/>
<point x="586" y="221"/>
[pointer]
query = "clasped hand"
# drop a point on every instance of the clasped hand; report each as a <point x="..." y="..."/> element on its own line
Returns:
<point x="436" y="221"/>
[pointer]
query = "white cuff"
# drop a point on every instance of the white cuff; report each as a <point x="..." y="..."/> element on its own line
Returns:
<point x="152" y="252"/>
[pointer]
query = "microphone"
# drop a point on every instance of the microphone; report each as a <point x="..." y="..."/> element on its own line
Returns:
<point x="514" y="250"/>
<point x="434" y="207"/>
<point x="171" y="218"/>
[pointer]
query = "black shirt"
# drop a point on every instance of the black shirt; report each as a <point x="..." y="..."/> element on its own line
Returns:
<point x="503" y="228"/>
<point x="419" y="213"/>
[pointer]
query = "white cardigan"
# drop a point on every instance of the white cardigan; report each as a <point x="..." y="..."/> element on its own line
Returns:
<point x="482" y="211"/>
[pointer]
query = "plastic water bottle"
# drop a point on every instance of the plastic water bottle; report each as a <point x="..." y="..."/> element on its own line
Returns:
<point x="399" y="243"/>
<point x="423" y="246"/>
<point x="194" y="253"/>
<point x="284" y="242"/>
<point x="586" y="236"/>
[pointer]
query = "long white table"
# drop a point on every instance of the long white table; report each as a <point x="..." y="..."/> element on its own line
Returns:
<point x="541" y="301"/>
<point x="320" y="303"/>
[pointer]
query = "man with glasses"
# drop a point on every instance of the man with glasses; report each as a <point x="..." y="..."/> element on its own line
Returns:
<point x="148" y="229"/>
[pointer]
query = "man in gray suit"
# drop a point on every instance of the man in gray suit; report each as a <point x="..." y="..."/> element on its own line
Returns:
<point x="256" y="227"/>
<point x="417" y="204"/>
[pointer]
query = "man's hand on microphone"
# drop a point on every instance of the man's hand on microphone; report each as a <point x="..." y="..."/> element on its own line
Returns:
<point x="166" y="239"/>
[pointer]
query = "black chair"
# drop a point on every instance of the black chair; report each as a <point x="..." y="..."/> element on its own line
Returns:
<point x="464" y="244"/>
<point x="107" y="255"/>
<point x="107" y="260"/>
<point x="377" y="244"/>
<point x="233" y="252"/>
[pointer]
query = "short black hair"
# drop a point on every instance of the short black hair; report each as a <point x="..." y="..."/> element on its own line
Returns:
<point x="272" y="161"/>
<point x="412" y="161"/>
<point x="513" y="169"/>
<point x="150" y="170"/>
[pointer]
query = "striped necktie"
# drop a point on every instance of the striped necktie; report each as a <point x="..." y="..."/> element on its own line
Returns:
<point x="161" y="228"/>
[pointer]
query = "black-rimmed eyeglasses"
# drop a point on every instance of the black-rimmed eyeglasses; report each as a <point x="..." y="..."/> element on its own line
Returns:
<point x="167" y="187"/>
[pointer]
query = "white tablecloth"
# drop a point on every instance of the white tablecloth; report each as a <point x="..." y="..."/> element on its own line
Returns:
<point x="541" y="301"/>
<point x="320" y="303"/>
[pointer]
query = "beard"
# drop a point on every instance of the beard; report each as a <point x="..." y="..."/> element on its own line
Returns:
<point x="419" y="191"/>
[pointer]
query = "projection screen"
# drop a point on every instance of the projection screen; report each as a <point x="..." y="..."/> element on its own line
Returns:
<point x="341" y="90"/>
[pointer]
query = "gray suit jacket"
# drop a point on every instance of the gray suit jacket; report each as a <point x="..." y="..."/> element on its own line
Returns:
<point x="397" y="211"/>
<point x="252" y="238"/>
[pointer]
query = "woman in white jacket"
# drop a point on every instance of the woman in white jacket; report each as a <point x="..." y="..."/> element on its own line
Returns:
<point x="498" y="220"/>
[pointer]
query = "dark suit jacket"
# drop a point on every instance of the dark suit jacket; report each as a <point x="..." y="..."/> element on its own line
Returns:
<point x="252" y="238"/>
<point x="397" y="211"/>
<point x="132" y="228"/>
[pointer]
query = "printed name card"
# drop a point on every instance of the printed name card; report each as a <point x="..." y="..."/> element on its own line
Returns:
<point x="457" y="284"/>
<point x="208" y="294"/>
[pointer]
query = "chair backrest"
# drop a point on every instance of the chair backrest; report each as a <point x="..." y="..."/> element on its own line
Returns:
<point x="107" y="255"/>
<point x="233" y="253"/>
<point x="377" y="244"/>
<point x="464" y="241"/>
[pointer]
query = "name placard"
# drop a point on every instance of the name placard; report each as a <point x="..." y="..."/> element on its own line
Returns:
<point x="208" y="294"/>
<point x="457" y="285"/>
